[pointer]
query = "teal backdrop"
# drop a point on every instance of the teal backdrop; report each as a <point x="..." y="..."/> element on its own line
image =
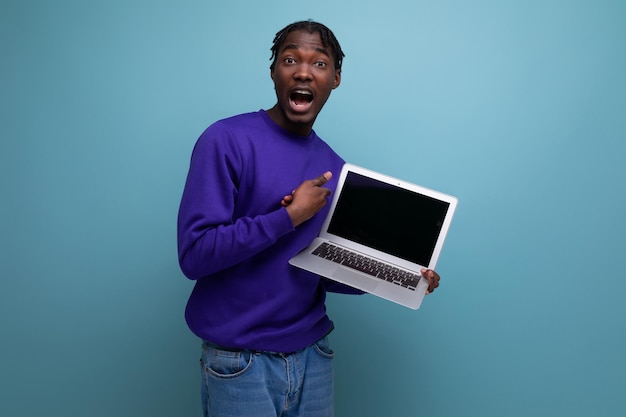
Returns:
<point x="516" y="107"/>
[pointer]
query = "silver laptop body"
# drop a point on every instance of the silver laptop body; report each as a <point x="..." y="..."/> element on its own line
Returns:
<point x="379" y="233"/>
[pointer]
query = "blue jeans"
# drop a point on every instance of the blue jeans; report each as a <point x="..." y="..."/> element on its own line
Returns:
<point x="267" y="384"/>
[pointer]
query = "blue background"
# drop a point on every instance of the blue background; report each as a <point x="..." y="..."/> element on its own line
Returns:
<point x="516" y="107"/>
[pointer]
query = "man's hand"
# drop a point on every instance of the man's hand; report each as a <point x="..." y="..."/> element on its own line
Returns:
<point x="433" y="279"/>
<point x="307" y="199"/>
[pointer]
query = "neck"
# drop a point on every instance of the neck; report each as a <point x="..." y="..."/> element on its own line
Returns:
<point x="278" y="116"/>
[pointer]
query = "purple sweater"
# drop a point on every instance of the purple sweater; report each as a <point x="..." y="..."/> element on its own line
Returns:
<point x="235" y="239"/>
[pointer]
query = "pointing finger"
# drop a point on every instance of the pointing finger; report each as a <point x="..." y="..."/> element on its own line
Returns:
<point x="323" y="179"/>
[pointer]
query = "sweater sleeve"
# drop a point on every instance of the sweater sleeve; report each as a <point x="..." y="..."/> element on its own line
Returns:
<point x="210" y="238"/>
<point x="333" y="286"/>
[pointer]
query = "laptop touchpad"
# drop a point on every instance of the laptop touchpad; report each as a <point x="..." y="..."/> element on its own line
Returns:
<point x="354" y="278"/>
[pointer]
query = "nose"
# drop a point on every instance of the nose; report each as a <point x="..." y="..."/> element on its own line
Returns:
<point x="303" y="72"/>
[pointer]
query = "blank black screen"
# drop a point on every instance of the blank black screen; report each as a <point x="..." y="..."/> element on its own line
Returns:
<point x="388" y="218"/>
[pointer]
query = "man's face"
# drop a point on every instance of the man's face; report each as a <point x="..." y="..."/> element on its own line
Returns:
<point x="304" y="76"/>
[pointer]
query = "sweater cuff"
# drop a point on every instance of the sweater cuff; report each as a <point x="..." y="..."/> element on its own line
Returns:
<point x="280" y="222"/>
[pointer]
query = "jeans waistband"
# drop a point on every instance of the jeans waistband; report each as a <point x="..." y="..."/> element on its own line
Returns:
<point x="268" y="352"/>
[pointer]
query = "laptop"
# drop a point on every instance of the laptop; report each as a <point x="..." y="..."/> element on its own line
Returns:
<point x="379" y="233"/>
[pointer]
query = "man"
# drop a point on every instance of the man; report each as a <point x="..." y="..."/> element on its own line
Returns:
<point x="255" y="195"/>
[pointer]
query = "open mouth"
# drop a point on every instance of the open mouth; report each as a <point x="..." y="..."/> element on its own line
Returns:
<point x="301" y="99"/>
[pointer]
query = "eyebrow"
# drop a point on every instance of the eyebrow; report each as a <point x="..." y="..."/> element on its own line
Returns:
<point x="296" y="46"/>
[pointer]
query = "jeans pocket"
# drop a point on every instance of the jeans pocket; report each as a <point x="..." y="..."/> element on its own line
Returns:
<point x="322" y="347"/>
<point x="224" y="363"/>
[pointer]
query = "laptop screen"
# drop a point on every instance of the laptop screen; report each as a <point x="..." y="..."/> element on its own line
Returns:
<point x="388" y="218"/>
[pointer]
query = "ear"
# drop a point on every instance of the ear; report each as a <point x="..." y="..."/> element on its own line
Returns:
<point x="337" y="79"/>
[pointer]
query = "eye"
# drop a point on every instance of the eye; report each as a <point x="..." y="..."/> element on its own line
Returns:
<point x="320" y="64"/>
<point x="289" y="60"/>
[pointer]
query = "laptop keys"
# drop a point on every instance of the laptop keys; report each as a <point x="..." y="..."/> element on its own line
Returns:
<point x="367" y="265"/>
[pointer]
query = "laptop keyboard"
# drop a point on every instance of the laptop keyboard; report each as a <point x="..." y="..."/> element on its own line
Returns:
<point x="367" y="265"/>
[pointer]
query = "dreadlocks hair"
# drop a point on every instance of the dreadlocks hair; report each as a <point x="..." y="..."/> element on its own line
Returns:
<point x="310" y="26"/>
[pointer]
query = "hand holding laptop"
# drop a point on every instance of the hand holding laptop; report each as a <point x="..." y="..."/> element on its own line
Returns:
<point x="433" y="279"/>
